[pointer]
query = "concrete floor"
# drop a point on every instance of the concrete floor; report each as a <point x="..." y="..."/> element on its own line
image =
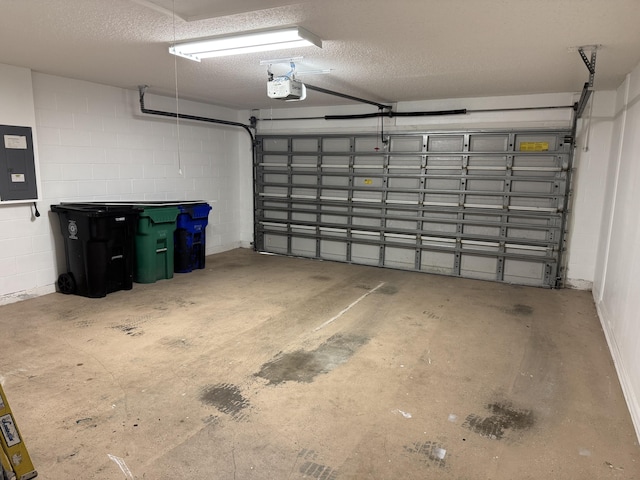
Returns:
<point x="262" y="367"/>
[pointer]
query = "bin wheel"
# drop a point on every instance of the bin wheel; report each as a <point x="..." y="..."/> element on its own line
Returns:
<point x="66" y="283"/>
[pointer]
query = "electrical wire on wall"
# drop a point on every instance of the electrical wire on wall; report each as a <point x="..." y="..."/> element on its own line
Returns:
<point x="175" y="74"/>
<point x="380" y="128"/>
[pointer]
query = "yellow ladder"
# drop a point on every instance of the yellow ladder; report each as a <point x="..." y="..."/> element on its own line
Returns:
<point x="14" y="458"/>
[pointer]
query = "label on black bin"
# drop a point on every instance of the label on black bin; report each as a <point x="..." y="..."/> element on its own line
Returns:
<point x="120" y="219"/>
<point x="73" y="230"/>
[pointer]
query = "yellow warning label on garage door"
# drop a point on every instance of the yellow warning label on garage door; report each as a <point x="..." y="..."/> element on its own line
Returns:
<point x="534" y="146"/>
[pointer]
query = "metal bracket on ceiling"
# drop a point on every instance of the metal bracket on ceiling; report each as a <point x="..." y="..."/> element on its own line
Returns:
<point x="587" y="89"/>
<point x="590" y="63"/>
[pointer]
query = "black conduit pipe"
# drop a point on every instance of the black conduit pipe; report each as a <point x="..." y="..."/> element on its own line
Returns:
<point x="392" y="114"/>
<point x="161" y="113"/>
<point x="344" y="95"/>
<point x="247" y="128"/>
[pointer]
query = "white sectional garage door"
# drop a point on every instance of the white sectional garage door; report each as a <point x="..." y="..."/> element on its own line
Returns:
<point x="487" y="205"/>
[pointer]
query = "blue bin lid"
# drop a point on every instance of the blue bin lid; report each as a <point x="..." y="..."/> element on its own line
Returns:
<point x="200" y="210"/>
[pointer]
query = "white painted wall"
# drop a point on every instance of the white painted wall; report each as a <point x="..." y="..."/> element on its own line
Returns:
<point x="23" y="263"/>
<point x="590" y="160"/>
<point x="94" y="145"/>
<point x="16" y="100"/>
<point x="617" y="273"/>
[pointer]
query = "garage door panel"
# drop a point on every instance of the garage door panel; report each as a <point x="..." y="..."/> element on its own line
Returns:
<point x="304" y="192"/>
<point x="335" y="181"/>
<point x="441" y="199"/>
<point x="403" y="198"/>
<point x="488" y="143"/>
<point x="367" y="144"/>
<point x="479" y="201"/>
<point x="399" y="164"/>
<point x="303" y="180"/>
<point x="304" y="144"/>
<point x="273" y="160"/>
<point x="365" y="221"/>
<point x="532" y="187"/>
<point x="534" y="202"/>
<point x="276" y="244"/>
<point x="523" y="272"/>
<point x="486" y="165"/>
<point x="484" y="205"/>
<point x="537" y="162"/>
<point x="438" y="262"/>
<point x="481" y="231"/>
<point x="303" y="247"/>
<point x="403" y="258"/>
<point x="480" y="267"/>
<point x="527" y="234"/>
<point x="329" y="194"/>
<point x="275" y="144"/>
<point x="485" y="185"/>
<point x="274" y="215"/>
<point x="276" y="178"/>
<point x="365" y="254"/>
<point x="336" y="144"/>
<point x="406" y="144"/>
<point x="406" y="183"/>
<point x="331" y="250"/>
<point x="446" y="143"/>
<point x="338" y="162"/>
<point x="435" y="227"/>
<point x="367" y="195"/>
<point x="270" y="190"/>
<point x="304" y="161"/>
<point x="443" y="184"/>
<point x="303" y="217"/>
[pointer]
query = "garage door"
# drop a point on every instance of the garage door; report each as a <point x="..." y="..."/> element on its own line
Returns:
<point x="486" y="205"/>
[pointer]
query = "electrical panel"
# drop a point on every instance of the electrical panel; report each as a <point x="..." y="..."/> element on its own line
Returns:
<point x="17" y="164"/>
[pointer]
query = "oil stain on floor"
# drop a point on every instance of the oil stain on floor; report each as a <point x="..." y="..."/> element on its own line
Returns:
<point x="303" y="366"/>
<point x="226" y="398"/>
<point x="519" y="310"/>
<point x="503" y="417"/>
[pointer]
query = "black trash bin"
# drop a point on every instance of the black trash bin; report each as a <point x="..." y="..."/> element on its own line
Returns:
<point x="99" y="248"/>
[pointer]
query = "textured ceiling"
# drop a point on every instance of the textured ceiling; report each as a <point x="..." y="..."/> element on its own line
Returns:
<point x="382" y="50"/>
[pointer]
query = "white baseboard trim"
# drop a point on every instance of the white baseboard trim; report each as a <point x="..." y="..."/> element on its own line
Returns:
<point x="578" y="284"/>
<point x="629" y="395"/>
<point x="47" y="289"/>
<point x="223" y="248"/>
<point x="27" y="294"/>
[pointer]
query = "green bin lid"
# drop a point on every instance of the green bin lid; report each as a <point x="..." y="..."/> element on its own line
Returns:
<point x="160" y="214"/>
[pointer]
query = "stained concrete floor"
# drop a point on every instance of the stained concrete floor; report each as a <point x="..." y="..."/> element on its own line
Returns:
<point x="263" y="367"/>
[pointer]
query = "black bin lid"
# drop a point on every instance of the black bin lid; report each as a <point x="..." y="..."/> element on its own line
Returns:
<point x="96" y="210"/>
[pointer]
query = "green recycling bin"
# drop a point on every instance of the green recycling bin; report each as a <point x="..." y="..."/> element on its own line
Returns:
<point x="154" y="244"/>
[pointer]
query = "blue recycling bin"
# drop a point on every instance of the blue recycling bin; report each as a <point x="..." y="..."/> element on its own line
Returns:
<point x="190" y="237"/>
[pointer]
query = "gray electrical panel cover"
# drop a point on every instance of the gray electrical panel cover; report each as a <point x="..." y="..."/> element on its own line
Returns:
<point x="17" y="164"/>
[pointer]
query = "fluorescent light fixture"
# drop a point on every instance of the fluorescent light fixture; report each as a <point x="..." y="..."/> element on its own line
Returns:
<point x="249" y="42"/>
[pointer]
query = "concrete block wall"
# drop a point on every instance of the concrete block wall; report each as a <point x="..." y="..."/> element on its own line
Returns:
<point x="93" y="145"/>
